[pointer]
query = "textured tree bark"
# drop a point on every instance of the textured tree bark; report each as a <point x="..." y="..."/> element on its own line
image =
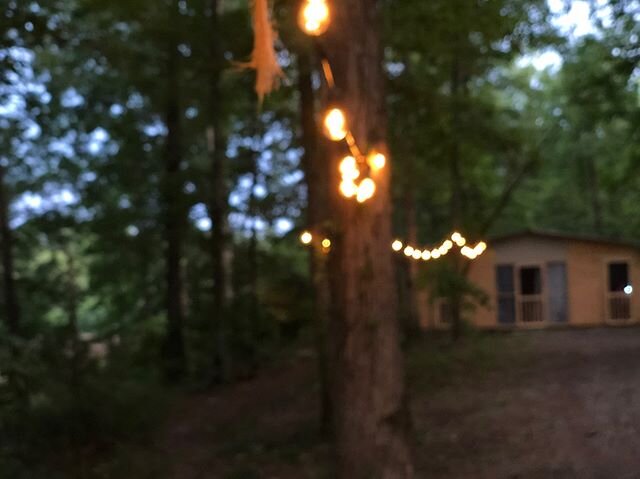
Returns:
<point x="316" y="174"/>
<point x="371" y="416"/>
<point x="174" y="354"/>
<point x="12" y="307"/>
<point x="216" y="145"/>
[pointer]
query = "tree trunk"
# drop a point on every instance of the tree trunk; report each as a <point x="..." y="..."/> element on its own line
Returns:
<point x="174" y="353"/>
<point x="593" y="188"/>
<point x="316" y="174"/>
<point x="455" y="299"/>
<point x="12" y="307"/>
<point x="253" y="318"/>
<point x="371" y="415"/>
<point x="412" y="267"/>
<point x="72" y="313"/>
<point x="74" y="345"/>
<point x="216" y="145"/>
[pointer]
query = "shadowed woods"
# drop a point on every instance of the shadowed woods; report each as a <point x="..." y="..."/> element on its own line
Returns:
<point x="201" y="277"/>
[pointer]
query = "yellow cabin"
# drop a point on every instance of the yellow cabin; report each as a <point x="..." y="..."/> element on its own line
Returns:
<point x="538" y="279"/>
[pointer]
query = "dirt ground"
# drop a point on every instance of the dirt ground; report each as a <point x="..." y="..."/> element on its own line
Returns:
<point x="566" y="404"/>
<point x="570" y="409"/>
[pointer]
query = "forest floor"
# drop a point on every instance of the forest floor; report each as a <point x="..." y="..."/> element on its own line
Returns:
<point x="553" y="404"/>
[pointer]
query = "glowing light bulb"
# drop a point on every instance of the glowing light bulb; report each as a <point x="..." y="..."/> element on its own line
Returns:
<point x="447" y="245"/>
<point x="348" y="188"/>
<point x="306" y="237"/>
<point x="349" y="168"/>
<point x="408" y="251"/>
<point x="377" y="161"/>
<point x="366" y="190"/>
<point x="396" y="245"/>
<point x="335" y="125"/>
<point x="481" y="247"/>
<point x="442" y="250"/>
<point x="426" y="255"/>
<point x="326" y="243"/>
<point x="435" y="254"/>
<point x="628" y="290"/>
<point x="469" y="252"/>
<point x="417" y="254"/>
<point x="458" y="239"/>
<point x="314" y="17"/>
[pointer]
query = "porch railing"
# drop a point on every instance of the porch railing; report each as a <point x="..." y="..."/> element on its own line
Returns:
<point x="531" y="309"/>
<point x="619" y="306"/>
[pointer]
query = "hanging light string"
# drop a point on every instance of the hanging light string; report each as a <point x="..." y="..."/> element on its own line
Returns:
<point x="317" y="241"/>
<point x="356" y="169"/>
<point x="412" y="252"/>
<point x="427" y="254"/>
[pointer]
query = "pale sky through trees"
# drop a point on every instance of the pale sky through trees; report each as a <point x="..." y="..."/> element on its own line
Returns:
<point x="573" y="19"/>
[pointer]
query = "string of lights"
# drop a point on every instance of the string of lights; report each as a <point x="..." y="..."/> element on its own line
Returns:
<point x="412" y="252"/>
<point x="308" y="239"/>
<point x="427" y="254"/>
<point x="356" y="169"/>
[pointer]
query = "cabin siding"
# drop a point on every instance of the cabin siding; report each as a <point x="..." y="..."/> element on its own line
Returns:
<point x="531" y="251"/>
<point x="588" y="281"/>
<point x="483" y="274"/>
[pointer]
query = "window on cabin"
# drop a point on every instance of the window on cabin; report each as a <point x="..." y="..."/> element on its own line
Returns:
<point x="618" y="277"/>
<point x="620" y="291"/>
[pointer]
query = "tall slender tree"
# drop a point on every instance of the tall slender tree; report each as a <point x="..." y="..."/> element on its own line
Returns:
<point x="216" y="146"/>
<point x="10" y="298"/>
<point x="173" y="210"/>
<point x="316" y="175"/>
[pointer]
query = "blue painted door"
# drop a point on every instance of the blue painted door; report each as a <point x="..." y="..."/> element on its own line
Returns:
<point x="558" y="292"/>
<point x="506" y="288"/>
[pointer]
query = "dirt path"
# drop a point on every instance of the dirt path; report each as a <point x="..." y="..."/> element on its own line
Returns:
<point x="262" y="428"/>
<point x="570" y="410"/>
<point x="569" y="407"/>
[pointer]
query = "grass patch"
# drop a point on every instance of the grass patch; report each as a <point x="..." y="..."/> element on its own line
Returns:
<point x="434" y="361"/>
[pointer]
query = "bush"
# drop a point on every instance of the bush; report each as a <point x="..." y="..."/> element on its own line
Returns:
<point x="64" y="414"/>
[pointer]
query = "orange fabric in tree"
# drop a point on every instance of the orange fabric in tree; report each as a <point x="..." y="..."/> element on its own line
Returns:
<point x="263" y="58"/>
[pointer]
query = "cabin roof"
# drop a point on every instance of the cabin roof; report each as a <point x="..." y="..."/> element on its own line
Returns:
<point x="562" y="236"/>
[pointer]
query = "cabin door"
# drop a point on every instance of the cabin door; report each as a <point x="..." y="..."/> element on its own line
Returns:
<point x="619" y="291"/>
<point x="557" y="281"/>
<point x="530" y="299"/>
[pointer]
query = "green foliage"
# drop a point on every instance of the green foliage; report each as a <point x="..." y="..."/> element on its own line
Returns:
<point x="444" y="280"/>
<point x="591" y="157"/>
<point x="434" y="363"/>
<point x="453" y="95"/>
<point x="64" y="412"/>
